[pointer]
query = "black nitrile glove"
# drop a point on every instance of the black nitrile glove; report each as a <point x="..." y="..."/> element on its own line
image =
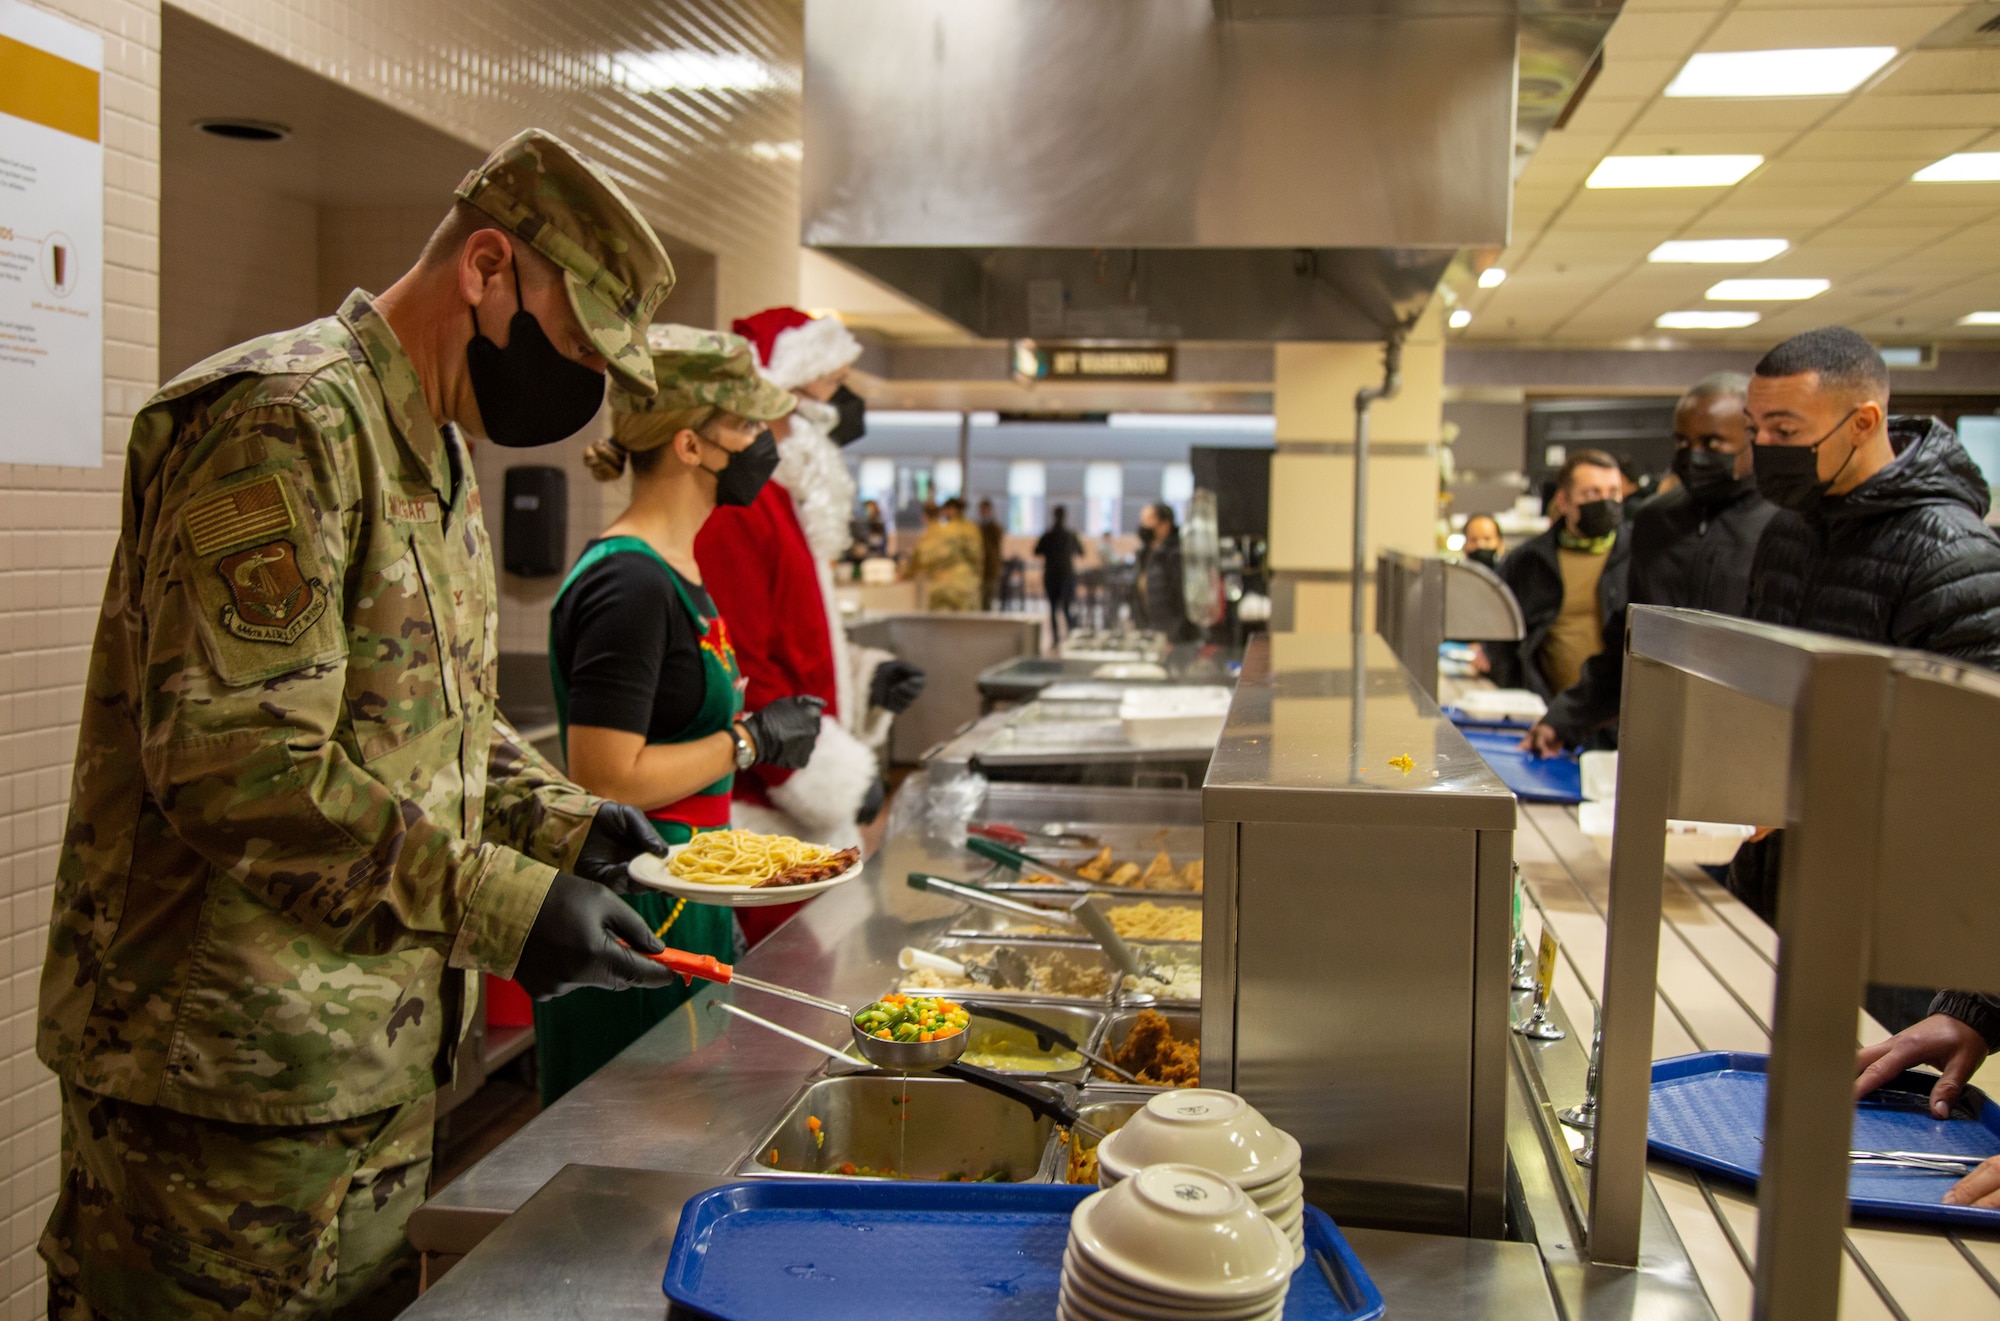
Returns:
<point x="785" y="731"/>
<point x="871" y="806"/>
<point x="896" y="684"/>
<point x="618" y="833"/>
<point x="581" y="938"/>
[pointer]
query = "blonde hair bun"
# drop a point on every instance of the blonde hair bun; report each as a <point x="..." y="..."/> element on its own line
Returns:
<point x="605" y="459"/>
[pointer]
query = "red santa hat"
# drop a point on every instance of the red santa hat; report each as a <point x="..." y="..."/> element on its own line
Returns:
<point x="796" y="348"/>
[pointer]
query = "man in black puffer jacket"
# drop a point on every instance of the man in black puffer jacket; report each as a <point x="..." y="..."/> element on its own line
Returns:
<point x="1881" y="538"/>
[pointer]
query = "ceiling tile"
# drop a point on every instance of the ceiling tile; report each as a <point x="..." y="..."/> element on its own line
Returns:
<point x="1568" y="146"/>
<point x="1637" y="208"/>
<point x="1943" y="71"/>
<point x="1655" y="35"/>
<point x="1863" y="175"/>
<point x="1599" y="115"/>
<point x="1941" y="110"/>
<point x="1734" y="114"/>
<point x="1953" y="195"/>
<point x="1748" y="139"/>
<point x="1747" y="28"/>
<point x="1922" y="145"/>
<point x="1631" y="80"/>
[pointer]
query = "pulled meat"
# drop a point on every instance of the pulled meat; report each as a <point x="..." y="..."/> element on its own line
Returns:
<point x="1152" y="1052"/>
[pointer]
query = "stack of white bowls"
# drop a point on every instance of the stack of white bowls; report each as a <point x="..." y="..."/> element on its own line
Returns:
<point x="1220" y="1132"/>
<point x="1172" y="1242"/>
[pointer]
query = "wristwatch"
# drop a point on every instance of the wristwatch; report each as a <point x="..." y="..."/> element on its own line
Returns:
<point x="746" y="751"/>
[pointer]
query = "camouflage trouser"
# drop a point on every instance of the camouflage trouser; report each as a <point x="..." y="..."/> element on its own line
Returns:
<point x="165" y="1215"/>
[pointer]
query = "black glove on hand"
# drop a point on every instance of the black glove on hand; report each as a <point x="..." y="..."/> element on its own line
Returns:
<point x="896" y="684"/>
<point x="618" y="834"/>
<point x="871" y="806"/>
<point x="576" y="939"/>
<point x="785" y="731"/>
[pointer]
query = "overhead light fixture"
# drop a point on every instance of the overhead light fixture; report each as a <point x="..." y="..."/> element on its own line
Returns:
<point x="1460" y="319"/>
<point x="1492" y="277"/>
<point x="1671" y="171"/>
<point x="1980" y="319"/>
<point x="1961" y="167"/>
<point x="244" y="130"/>
<point x="646" y="72"/>
<point x="1908" y="357"/>
<point x="1826" y="71"/>
<point x="1706" y="320"/>
<point x="1255" y="424"/>
<point x="1767" y="291"/>
<point x="1718" y="251"/>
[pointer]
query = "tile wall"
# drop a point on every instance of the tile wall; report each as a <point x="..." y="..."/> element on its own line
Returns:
<point x="693" y="104"/>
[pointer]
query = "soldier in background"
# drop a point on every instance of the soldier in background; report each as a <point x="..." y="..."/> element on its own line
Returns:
<point x="298" y="822"/>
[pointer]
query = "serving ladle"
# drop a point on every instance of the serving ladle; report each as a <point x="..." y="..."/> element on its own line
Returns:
<point x="940" y="1055"/>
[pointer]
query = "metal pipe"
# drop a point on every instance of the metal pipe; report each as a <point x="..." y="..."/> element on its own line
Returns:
<point x="965" y="457"/>
<point x="1364" y="400"/>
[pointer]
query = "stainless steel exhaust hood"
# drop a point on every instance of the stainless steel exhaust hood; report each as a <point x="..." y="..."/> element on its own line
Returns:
<point x="1185" y="169"/>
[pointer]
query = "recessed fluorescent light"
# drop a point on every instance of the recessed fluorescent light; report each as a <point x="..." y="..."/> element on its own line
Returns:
<point x="1492" y="278"/>
<point x="1460" y="319"/>
<point x="1671" y="171"/>
<point x="1980" y="319"/>
<point x="1263" y="424"/>
<point x="1828" y="71"/>
<point x="1744" y="251"/>
<point x="1706" y="320"/>
<point x="1767" y="291"/>
<point x="1962" y="167"/>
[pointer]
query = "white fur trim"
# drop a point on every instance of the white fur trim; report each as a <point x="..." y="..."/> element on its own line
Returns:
<point x="822" y="490"/>
<point x="806" y="353"/>
<point x="871" y="726"/>
<point x="825" y="793"/>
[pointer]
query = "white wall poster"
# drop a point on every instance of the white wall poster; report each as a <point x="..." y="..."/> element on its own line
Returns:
<point x="51" y="240"/>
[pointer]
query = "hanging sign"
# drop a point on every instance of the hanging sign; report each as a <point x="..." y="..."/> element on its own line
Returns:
<point x="1042" y="360"/>
<point x="51" y="240"/>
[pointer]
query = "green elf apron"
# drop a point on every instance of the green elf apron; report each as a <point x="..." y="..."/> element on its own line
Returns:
<point x="578" y="1034"/>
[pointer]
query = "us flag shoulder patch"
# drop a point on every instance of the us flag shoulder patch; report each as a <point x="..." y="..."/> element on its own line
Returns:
<point x="254" y="510"/>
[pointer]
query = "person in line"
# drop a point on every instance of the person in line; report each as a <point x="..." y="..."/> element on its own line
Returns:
<point x="1882" y="538"/>
<point x="1058" y="549"/>
<point x="1159" y="585"/>
<point x="1484" y="543"/>
<point x="870" y="534"/>
<point x="949" y="559"/>
<point x="769" y="567"/>
<point x="647" y="683"/>
<point x="298" y="821"/>
<point x="1692" y="546"/>
<point x="1570" y="581"/>
<point x="992" y="551"/>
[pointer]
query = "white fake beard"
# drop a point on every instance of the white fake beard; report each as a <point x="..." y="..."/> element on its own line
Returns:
<point x="811" y="469"/>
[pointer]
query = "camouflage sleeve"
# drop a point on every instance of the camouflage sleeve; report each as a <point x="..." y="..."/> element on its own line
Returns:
<point x="530" y="805"/>
<point x="248" y="742"/>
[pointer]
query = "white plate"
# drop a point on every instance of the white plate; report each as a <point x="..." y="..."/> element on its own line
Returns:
<point x="652" y="872"/>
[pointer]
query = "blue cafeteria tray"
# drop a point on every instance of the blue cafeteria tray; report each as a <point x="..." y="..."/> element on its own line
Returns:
<point x="1708" y="1112"/>
<point x="832" y="1250"/>
<point x="1533" y="779"/>
<point x="1464" y="719"/>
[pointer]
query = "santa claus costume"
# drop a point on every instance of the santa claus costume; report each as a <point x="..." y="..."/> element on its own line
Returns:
<point x="769" y="568"/>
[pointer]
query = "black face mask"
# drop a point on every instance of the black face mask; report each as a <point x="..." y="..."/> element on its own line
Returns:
<point x="1595" y="518"/>
<point x="738" y="481"/>
<point x="1146" y="536"/>
<point x="1788" y="475"/>
<point x="529" y="393"/>
<point x="1707" y="474"/>
<point x="1489" y="558"/>
<point x="853" y="424"/>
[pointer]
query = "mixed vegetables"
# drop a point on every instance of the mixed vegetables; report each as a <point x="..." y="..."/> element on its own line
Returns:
<point x="912" y="1018"/>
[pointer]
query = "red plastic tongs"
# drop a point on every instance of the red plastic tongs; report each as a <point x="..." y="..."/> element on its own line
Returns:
<point x="709" y="968"/>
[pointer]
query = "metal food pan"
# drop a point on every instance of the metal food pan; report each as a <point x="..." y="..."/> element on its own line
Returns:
<point x="1186" y="1024"/>
<point x="1106" y="1107"/>
<point x="1081" y="1024"/>
<point x="986" y="922"/>
<point x="946" y="1130"/>
<point x="1083" y="960"/>
<point x="1175" y="956"/>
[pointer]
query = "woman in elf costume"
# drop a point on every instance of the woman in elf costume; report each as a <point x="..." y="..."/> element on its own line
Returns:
<point x="648" y="687"/>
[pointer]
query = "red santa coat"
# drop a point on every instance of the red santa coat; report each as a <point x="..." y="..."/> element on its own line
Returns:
<point x="758" y="566"/>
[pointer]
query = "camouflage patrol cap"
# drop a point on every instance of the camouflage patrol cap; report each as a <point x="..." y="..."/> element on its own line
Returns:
<point x="616" y="272"/>
<point x="705" y="369"/>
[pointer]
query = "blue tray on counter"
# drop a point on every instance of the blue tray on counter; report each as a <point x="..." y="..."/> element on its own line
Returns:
<point x="830" y="1250"/>
<point x="1533" y="779"/>
<point x="1464" y="719"/>
<point x="1708" y="1112"/>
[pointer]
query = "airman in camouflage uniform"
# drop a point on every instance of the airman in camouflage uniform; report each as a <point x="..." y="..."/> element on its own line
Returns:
<point x="298" y="820"/>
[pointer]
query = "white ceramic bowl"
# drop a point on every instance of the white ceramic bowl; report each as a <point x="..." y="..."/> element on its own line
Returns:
<point x="1076" y="1301"/>
<point x="1106" y="1292"/>
<point x="1198" y="1126"/>
<point x="1291" y="1188"/>
<point x="1185" y="1231"/>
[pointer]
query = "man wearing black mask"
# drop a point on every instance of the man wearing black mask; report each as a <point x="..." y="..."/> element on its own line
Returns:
<point x="1569" y="580"/>
<point x="1691" y="547"/>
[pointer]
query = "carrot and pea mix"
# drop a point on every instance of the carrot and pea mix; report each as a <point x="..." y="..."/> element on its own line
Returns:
<point x="912" y="1018"/>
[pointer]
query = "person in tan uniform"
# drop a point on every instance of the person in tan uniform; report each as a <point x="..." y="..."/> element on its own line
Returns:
<point x="1568" y="580"/>
<point x="298" y="822"/>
